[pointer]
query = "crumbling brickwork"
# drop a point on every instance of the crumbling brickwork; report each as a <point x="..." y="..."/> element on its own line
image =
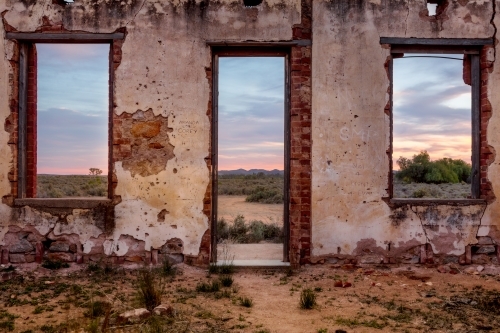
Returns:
<point x="300" y="133"/>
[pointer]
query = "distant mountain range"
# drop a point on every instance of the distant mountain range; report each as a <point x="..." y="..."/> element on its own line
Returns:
<point x="250" y="172"/>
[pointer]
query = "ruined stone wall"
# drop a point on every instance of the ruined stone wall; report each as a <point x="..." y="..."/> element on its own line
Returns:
<point x="340" y="208"/>
<point x="353" y="218"/>
<point x="160" y="127"/>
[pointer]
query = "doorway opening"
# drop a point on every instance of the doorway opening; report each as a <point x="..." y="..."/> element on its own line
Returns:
<point x="250" y="154"/>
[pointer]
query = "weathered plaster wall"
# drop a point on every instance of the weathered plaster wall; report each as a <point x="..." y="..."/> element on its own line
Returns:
<point x="161" y="75"/>
<point x="351" y="129"/>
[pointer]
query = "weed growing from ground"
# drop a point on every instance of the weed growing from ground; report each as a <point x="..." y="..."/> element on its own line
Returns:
<point x="54" y="264"/>
<point x="226" y="280"/>
<point x="246" y="302"/>
<point x="205" y="287"/>
<point x="307" y="299"/>
<point x="150" y="289"/>
<point x="167" y="269"/>
<point x="6" y="321"/>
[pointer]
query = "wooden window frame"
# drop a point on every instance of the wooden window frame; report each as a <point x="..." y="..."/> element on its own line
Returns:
<point x="250" y="49"/>
<point x="470" y="47"/>
<point x="25" y="40"/>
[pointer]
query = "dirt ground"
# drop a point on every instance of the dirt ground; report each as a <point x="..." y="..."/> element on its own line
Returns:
<point x="230" y="206"/>
<point x="348" y="299"/>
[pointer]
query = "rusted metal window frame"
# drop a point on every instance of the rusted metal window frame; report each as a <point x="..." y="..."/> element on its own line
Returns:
<point x="253" y="49"/>
<point x="470" y="47"/>
<point x="26" y="40"/>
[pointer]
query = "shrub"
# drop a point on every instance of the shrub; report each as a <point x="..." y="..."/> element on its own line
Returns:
<point x="265" y="195"/>
<point x="205" y="287"/>
<point x="54" y="264"/>
<point x="97" y="309"/>
<point x="150" y="289"/>
<point x="246" y="302"/>
<point x="420" y="169"/>
<point x="307" y="299"/>
<point x="226" y="280"/>
<point x="254" y="232"/>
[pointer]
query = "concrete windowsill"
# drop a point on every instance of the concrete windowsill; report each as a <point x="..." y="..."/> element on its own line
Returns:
<point x="77" y="202"/>
<point x="436" y="202"/>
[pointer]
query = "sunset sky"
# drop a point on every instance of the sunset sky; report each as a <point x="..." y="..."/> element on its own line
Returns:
<point x="72" y="108"/>
<point x="431" y="110"/>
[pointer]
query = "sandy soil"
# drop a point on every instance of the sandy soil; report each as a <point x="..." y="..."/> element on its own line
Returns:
<point x="229" y="206"/>
<point x="262" y="251"/>
<point x="405" y="299"/>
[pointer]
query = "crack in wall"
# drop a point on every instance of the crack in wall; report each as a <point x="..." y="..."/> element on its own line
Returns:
<point x="406" y="20"/>
<point x="481" y="220"/>
<point x="422" y="224"/>
<point x="133" y="18"/>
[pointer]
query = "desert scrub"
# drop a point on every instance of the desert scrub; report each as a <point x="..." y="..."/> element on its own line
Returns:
<point x="307" y="299"/>
<point x="246" y="302"/>
<point x="246" y="233"/>
<point x="150" y="289"/>
<point x="6" y="321"/>
<point x="226" y="280"/>
<point x="248" y="184"/>
<point x="54" y="264"/>
<point x="58" y="186"/>
<point x="204" y="287"/>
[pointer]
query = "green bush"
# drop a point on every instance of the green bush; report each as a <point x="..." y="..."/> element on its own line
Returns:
<point x="307" y="299"/>
<point x="265" y="195"/>
<point x="420" y="169"/>
<point x="254" y="232"/>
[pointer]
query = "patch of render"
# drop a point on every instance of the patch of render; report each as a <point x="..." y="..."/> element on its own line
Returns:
<point x="147" y="138"/>
<point x="6" y="79"/>
<point x="490" y="223"/>
<point x="449" y="229"/>
<point x="137" y="214"/>
<point x="350" y="167"/>
<point x="77" y="222"/>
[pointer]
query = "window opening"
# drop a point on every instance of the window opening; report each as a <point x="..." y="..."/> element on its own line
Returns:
<point x="72" y="120"/>
<point x="431" y="7"/>
<point x="432" y="130"/>
<point x="250" y="163"/>
<point x="252" y="3"/>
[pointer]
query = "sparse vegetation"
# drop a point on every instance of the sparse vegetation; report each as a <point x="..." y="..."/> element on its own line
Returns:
<point x="246" y="302"/>
<point x="226" y="280"/>
<point x="307" y="299"/>
<point x="91" y="300"/>
<point x="59" y="186"/>
<point x="150" y="289"/>
<point x="208" y="287"/>
<point x="257" y="187"/>
<point x="54" y="264"/>
<point x="254" y="232"/>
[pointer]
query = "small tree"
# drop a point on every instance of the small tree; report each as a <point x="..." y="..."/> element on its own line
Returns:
<point x="420" y="169"/>
<point x="95" y="171"/>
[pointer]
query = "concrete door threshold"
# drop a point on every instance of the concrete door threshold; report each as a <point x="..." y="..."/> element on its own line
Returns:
<point x="255" y="263"/>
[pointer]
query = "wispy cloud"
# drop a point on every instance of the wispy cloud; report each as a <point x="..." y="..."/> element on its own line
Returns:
<point x="72" y="108"/>
<point x="432" y="109"/>
<point x="251" y="113"/>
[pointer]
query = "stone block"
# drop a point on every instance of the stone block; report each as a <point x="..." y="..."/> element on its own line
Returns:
<point x="22" y="246"/>
<point x="17" y="258"/>
<point x="486" y="249"/>
<point x="62" y="256"/>
<point x="59" y="247"/>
